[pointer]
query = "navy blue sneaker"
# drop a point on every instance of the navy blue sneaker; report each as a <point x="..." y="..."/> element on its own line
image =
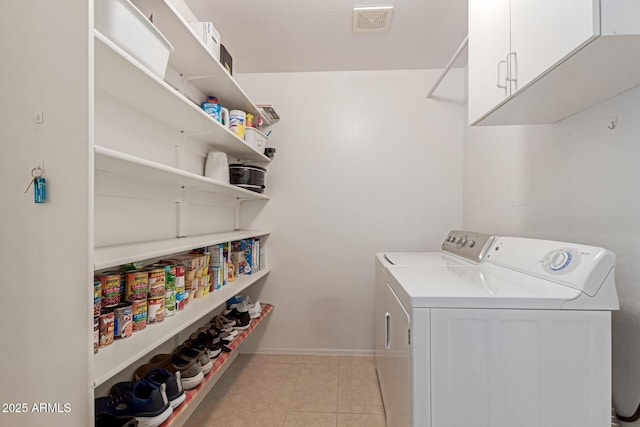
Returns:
<point x="157" y="377"/>
<point x="147" y="403"/>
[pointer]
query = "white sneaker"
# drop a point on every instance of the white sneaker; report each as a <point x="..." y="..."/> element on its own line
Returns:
<point x="253" y="308"/>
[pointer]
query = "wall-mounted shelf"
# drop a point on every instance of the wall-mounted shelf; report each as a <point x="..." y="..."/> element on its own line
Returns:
<point x="121" y="353"/>
<point x="116" y="162"/>
<point x="192" y="59"/>
<point x="121" y="76"/>
<point x="115" y="255"/>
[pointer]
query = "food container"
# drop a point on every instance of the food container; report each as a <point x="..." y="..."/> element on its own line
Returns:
<point x="122" y="23"/>
<point x="139" y="311"/>
<point x="247" y="176"/>
<point x="123" y="320"/>
<point x="106" y="326"/>
<point x="110" y="288"/>
<point x="136" y="285"/>
<point x="255" y="138"/>
<point x="155" y="310"/>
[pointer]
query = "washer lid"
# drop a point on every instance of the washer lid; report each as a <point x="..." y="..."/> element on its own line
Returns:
<point x="480" y="287"/>
<point x="422" y="259"/>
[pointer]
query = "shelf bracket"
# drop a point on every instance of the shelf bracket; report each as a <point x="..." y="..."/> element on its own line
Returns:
<point x="236" y="214"/>
<point x="186" y="78"/>
<point x="185" y="139"/>
<point x="181" y="215"/>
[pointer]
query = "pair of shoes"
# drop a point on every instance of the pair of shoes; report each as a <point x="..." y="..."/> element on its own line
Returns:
<point x="144" y="401"/>
<point x="107" y="420"/>
<point x="245" y="305"/>
<point x="157" y="377"/>
<point x="224" y="324"/>
<point x="199" y="353"/>
<point x="241" y="318"/>
<point x="211" y="339"/>
<point x="190" y="369"/>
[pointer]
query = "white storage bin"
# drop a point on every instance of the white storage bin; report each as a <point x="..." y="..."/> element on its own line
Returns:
<point x="122" y="23"/>
<point x="255" y="138"/>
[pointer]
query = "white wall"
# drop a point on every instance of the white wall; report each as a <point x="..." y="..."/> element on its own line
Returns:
<point x="364" y="163"/>
<point x="575" y="181"/>
<point x="45" y="248"/>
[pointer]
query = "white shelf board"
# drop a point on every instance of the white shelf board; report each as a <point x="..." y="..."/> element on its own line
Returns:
<point x="121" y="353"/>
<point x="192" y="59"/>
<point x="116" y="162"/>
<point x="124" y="78"/>
<point x="115" y="255"/>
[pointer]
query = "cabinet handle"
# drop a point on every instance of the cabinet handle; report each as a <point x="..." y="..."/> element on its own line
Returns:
<point x="387" y="339"/>
<point x="512" y="68"/>
<point x="502" y="86"/>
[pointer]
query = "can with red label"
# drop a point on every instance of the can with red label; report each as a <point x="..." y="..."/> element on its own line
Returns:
<point x="123" y="320"/>
<point x="105" y="326"/>
<point x="97" y="297"/>
<point x="156" y="282"/>
<point x="136" y="285"/>
<point x="156" y="309"/>
<point x="110" y="288"/>
<point x="139" y="313"/>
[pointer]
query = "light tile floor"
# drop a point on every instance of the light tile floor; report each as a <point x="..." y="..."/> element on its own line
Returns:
<point x="291" y="391"/>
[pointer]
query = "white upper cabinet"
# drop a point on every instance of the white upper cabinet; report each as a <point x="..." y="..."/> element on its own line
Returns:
<point x="488" y="46"/>
<point x="555" y="58"/>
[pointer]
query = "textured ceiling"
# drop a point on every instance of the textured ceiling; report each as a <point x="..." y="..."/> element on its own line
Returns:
<point x="315" y="35"/>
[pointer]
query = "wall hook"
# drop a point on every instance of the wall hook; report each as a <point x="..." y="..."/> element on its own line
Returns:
<point x="613" y="123"/>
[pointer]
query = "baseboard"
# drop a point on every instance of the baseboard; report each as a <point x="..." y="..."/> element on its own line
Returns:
<point x="311" y="352"/>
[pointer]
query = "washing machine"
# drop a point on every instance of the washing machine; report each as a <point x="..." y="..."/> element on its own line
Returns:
<point x="521" y="338"/>
<point x="460" y="248"/>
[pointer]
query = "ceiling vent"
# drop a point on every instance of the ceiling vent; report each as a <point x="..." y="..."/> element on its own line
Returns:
<point x="370" y="19"/>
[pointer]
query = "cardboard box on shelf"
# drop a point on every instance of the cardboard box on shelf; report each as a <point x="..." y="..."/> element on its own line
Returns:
<point x="209" y="36"/>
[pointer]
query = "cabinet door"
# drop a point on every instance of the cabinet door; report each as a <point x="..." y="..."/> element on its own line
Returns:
<point x="488" y="44"/>
<point x="543" y="32"/>
<point x="397" y="388"/>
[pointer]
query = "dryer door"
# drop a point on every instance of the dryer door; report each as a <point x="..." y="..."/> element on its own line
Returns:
<point x="396" y="390"/>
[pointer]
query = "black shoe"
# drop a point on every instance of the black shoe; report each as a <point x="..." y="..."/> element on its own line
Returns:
<point x="242" y="318"/>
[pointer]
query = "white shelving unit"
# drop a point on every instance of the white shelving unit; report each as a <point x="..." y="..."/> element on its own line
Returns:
<point x="121" y="353"/>
<point x="119" y="76"/>
<point x="124" y="78"/>
<point x="109" y="256"/>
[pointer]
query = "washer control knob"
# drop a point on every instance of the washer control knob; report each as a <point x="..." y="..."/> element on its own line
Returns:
<point x="458" y="240"/>
<point x="559" y="260"/>
<point x="472" y="243"/>
<point x="463" y="241"/>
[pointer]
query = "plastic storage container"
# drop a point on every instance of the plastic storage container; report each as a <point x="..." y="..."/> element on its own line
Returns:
<point x="255" y="138"/>
<point x="122" y="23"/>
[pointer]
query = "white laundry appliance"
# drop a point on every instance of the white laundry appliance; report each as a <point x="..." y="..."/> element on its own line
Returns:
<point x="522" y="338"/>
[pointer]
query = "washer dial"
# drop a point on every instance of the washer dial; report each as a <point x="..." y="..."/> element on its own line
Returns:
<point x="561" y="261"/>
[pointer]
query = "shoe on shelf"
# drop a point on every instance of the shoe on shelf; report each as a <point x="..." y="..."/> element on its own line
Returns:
<point x="200" y="354"/>
<point x="224" y="324"/>
<point x="242" y="319"/>
<point x="156" y="377"/>
<point x="207" y="339"/>
<point x="246" y="305"/>
<point x="148" y="404"/>
<point x="191" y="374"/>
<point x="108" y="420"/>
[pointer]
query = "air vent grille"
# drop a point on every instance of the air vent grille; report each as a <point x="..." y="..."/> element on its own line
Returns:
<point x="368" y="19"/>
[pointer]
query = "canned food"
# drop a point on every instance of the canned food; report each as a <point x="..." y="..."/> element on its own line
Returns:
<point x="180" y="273"/>
<point x="190" y="274"/>
<point x="136" y="285"/>
<point x="169" y="277"/>
<point x="206" y="284"/>
<point x="105" y="326"/>
<point x="156" y="309"/>
<point x="97" y="297"/>
<point x="188" y="261"/>
<point x="110" y="288"/>
<point x="156" y="282"/>
<point x="123" y="320"/>
<point x="182" y="299"/>
<point x="139" y="312"/>
<point x="169" y="303"/>
<point x="96" y="334"/>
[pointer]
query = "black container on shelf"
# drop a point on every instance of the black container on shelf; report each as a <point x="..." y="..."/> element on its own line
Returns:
<point x="247" y="176"/>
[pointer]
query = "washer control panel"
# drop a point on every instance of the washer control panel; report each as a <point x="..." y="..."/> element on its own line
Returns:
<point x="467" y="244"/>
